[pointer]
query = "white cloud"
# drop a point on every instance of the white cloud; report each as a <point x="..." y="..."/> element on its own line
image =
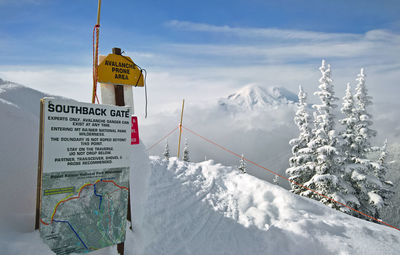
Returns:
<point x="201" y="73"/>
<point x="378" y="46"/>
<point x="260" y="32"/>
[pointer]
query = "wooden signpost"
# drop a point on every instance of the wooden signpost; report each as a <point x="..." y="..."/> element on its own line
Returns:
<point x="123" y="74"/>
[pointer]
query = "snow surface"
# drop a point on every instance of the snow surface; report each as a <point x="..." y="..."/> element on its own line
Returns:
<point x="180" y="207"/>
<point x="19" y="130"/>
<point x="207" y="208"/>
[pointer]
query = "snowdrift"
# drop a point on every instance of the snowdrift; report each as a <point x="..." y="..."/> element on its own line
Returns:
<point x="19" y="130"/>
<point x="207" y="208"/>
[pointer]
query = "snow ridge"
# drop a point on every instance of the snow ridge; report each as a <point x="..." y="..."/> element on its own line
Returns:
<point x="208" y="208"/>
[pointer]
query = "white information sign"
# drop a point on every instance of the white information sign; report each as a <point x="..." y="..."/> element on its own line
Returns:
<point x="80" y="136"/>
<point x="85" y="175"/>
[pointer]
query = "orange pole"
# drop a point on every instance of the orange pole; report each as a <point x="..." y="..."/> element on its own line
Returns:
<point x="180" y="128"/>
<point x="96" y="54"/>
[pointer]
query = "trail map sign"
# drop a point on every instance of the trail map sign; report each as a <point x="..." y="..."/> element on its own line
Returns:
<point x="120" y="70"/>
<point x="84" y="175"/>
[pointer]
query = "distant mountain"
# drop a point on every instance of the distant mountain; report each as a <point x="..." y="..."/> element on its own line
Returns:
<point x="253" y="97"/>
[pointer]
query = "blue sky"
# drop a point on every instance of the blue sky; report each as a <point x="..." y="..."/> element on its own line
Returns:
<point x="195" y="47"/>
<point x="40" y="32"/>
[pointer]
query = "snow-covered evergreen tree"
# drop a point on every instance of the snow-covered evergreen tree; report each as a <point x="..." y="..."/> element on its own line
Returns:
<point x="301" y="163"/>
<point x="374" y="189"/>
<point x="381" y="166"/>
<point x="242" y="165"/>
<point x="363" y="131"/>
<point x="339" y="169"/>
<point x="391" y="212"/>
<point x="368" y="185"/>
<point x="328" y="173"/>
<point x="370" y="191"/>
<point x="349" y="121"/>
<point x="166" y="151"/>
<point x="381" y="173"/>
<point x="276" y="180"/>
<point x="348" y="146"/>
<point x="186" y="152"/>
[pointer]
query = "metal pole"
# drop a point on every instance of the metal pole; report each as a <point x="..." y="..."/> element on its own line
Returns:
<point x="180" y="128"/>
<point x="98" y="13"/>
<point x="96" y="54"/>
<point x="40" y="167"/>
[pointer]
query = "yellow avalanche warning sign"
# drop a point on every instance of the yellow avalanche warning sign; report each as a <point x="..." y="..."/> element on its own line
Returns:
<point x="119" y="70"/>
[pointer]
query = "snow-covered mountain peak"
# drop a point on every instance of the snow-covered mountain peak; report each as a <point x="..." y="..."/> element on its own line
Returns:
<point x="252" y="97"/>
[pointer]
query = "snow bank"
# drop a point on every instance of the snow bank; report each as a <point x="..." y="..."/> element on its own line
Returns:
<point x="19" y="130"/>
<point x="207" y="208"/>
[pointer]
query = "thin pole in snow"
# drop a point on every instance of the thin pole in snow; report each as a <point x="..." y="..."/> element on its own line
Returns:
<point x="96" y="54"/>
<point x="180" y="128"/>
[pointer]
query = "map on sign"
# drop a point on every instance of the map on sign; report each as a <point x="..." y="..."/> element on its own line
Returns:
<point x="74" y="200"/>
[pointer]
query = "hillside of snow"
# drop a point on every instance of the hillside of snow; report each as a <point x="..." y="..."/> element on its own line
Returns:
<point x="180" y="207"/>
<point x="207" y="208"/>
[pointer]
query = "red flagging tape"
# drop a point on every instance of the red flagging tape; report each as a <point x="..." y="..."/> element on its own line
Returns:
<point x="164" y="137"/>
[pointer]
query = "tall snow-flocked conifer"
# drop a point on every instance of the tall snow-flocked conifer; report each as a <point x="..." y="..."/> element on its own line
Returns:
<point x="186" y="152"/>
<point x="387" y="191"/>
<point x="348" y="147"/>
<point x="382" y="167"/>
<point x="349" y="121"/>
<point x="363" y="131"/>
<point x="328" y="173"/>
<point x="368" y="187"/>
<point x="301" y="163"/>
